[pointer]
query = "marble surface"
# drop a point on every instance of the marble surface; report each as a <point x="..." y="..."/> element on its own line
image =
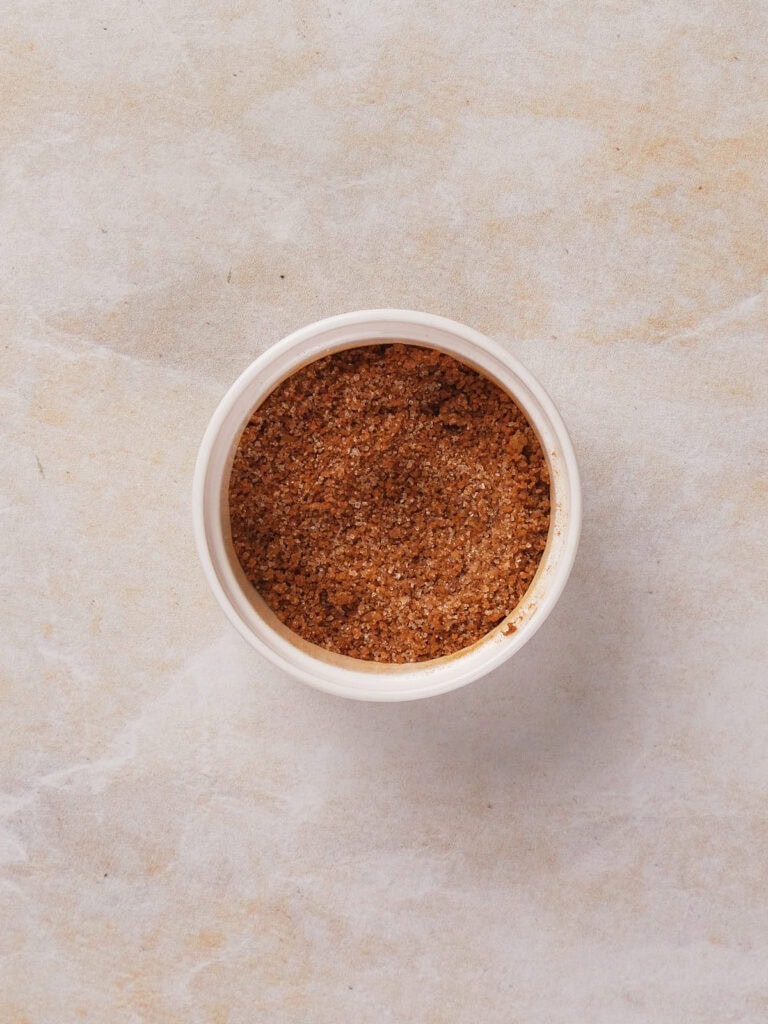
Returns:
<point x="186" y="835"/>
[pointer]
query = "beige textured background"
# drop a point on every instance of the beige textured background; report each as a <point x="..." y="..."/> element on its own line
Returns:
<point x="188" y="836"/>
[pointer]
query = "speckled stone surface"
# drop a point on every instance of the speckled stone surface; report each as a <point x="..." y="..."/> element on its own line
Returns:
<point x="186" y="835"/>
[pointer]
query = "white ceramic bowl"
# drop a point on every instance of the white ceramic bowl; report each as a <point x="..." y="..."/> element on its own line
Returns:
<point x="352" y="677"/>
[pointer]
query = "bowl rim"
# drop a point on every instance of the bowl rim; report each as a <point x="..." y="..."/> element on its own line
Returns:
<point x="351" y="677"/>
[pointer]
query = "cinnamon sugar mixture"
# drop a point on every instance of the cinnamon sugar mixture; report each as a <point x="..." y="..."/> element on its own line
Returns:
<point x="389" y="503"/>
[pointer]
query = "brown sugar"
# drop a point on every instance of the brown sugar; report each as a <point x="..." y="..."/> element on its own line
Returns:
<point x="389" y="503"/>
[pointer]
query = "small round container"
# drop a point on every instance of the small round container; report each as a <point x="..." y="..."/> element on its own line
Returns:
<point x="338" y="674"/>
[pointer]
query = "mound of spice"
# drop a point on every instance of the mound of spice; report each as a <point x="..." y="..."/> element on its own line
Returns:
<point x="389" y="503"/>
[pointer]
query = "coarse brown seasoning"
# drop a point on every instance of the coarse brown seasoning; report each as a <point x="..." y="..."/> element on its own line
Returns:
<point x="389" y="503"/>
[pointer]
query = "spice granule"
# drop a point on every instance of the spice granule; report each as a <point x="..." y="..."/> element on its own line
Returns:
<point x="389" y="503"/>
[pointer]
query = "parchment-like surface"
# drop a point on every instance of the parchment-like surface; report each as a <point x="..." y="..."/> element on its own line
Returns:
<point x="188" y="836"/>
